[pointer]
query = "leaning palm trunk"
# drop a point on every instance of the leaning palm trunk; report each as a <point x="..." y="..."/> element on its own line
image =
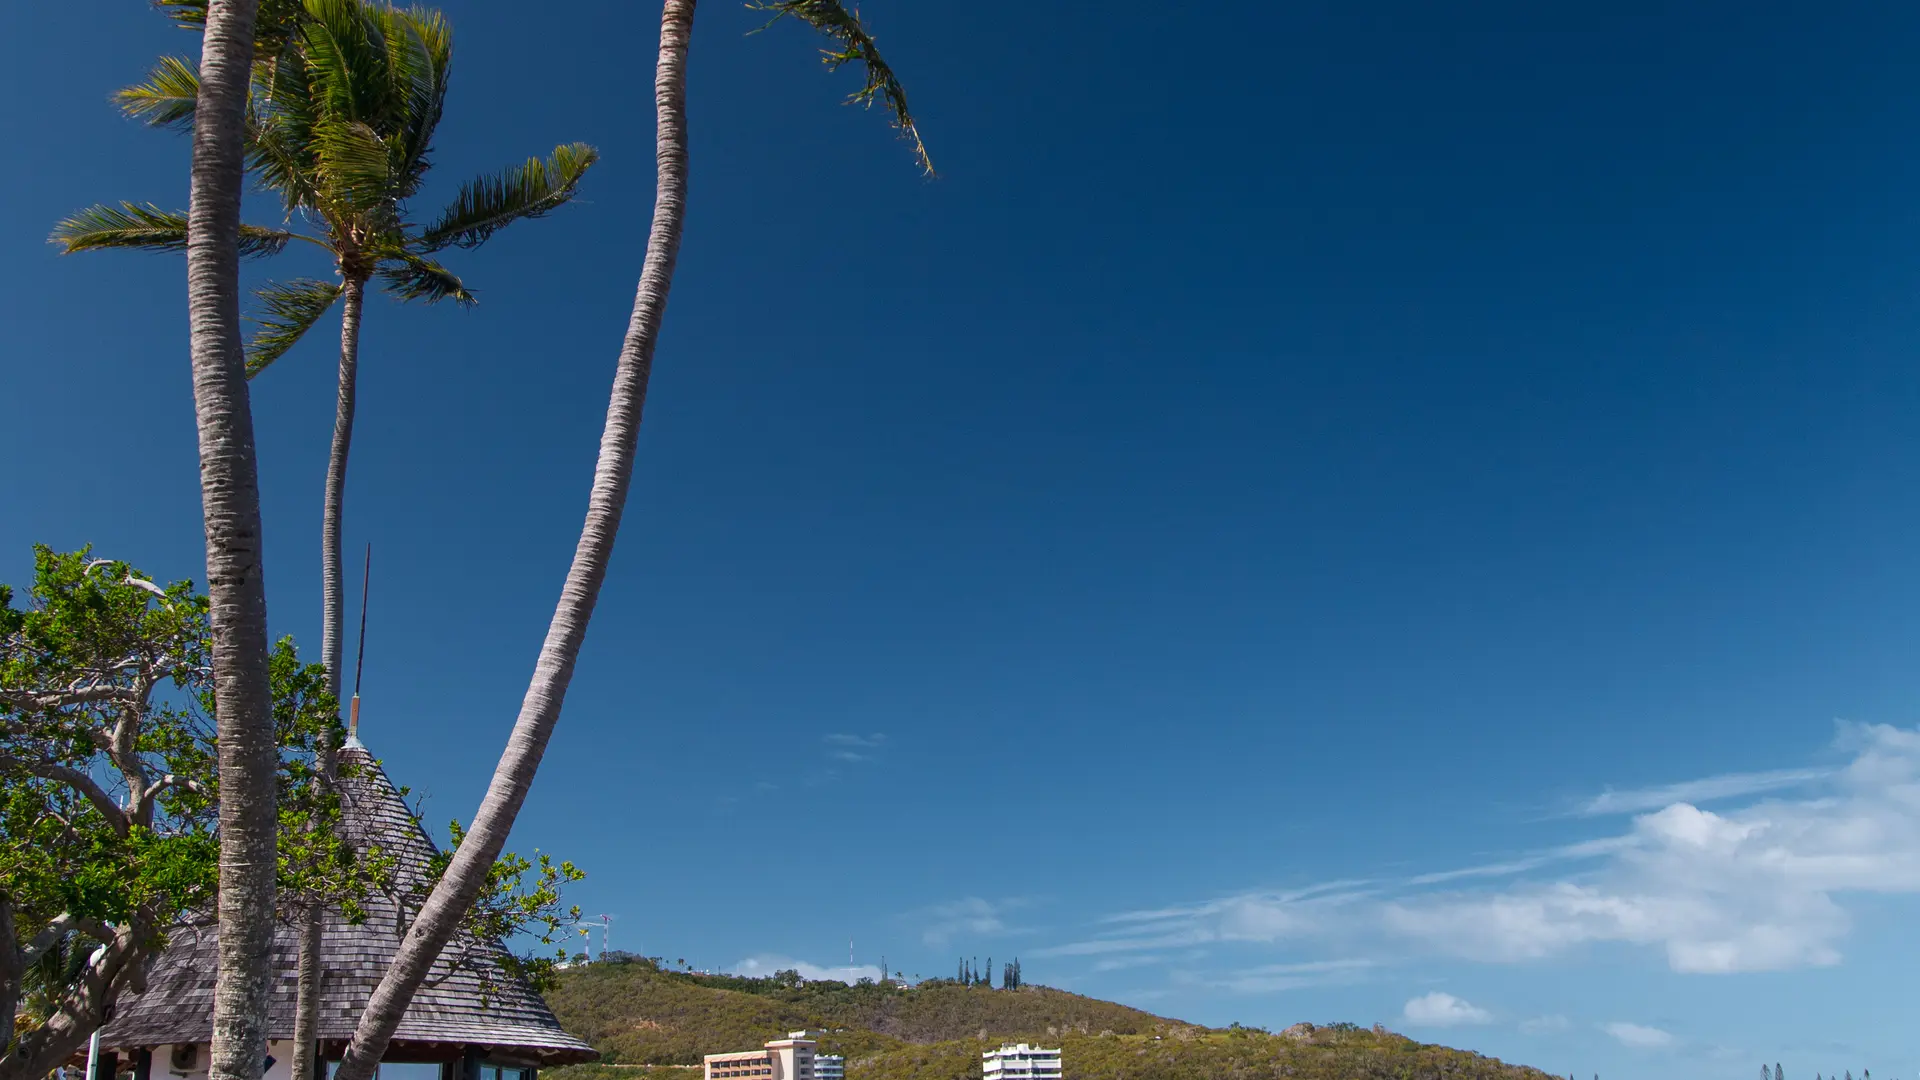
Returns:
<point x="464" y="876"/>
<point x="306" y="1009"/>
<point x="236" y="584"/>
<point x="334" y="584"/>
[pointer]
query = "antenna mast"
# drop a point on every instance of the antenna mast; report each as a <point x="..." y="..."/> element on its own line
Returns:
<point x="360" y="661"/>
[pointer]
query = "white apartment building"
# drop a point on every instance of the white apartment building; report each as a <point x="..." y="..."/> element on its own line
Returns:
<point x="829" y="1067"/>
<point x="790" y="1058"/>
<point x="1020" y="1062"/>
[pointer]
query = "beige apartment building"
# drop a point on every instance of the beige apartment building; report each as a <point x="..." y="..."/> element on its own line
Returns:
<point x="790" y="1058"/>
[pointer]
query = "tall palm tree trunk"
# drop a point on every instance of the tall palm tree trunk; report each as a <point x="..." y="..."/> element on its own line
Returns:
<point x="236" y="582"/>
<point x="540" y="710"/>
<point x="333" y="577"/>
<point x="306" y="1011"/>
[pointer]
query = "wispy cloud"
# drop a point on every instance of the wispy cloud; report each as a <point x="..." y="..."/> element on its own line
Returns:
<point x="1586" y="849"/>
<point x="968" y="918"/>
<point x="845" y="747"/>
<point x="1264" y="917"/>
<point x="1702" y="790"/>
<point x="1271" y="978"/>
<point x="1122" y="963"/>
<point x="1440" y="1009"/>
<point x="1540" y="1025"/>
<point x="1638" y="1036"/>
<point x="1757" y="886"/>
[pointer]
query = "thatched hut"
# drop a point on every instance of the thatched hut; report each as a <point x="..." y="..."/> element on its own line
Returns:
<point x="472" y="1021"/>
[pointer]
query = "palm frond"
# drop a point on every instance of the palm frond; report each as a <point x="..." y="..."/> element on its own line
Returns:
<point x="354" y="172"/>
<point x="168" y="97"/>
<point x="853" y="44"/>
<point x="491" y="203"/>
<point x="419" y="57"/>
<point x="346" y="57"/>
<point x="273" y="25"/>
<point x="133" y="225"/>
<point x="414" y="277"/>
<point x="280" y="120"/>
<point x="290" y="310"/>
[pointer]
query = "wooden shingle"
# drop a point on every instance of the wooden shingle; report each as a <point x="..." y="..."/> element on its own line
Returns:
<point x="500" y="1015"/>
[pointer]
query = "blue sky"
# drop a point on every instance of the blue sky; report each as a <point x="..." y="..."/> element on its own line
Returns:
<point x="1391" y="515"/>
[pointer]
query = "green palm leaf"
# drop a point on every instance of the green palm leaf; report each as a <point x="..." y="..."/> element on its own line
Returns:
<point x="273" y="25"/>
<point x="168" y="97"/>
<point x="280" y="123"/>
<point x="346" y="58"/>
<point x="132" y="225"/>
<point x="291" y="308"/>
<point x="855" y="45"/>
<point x="415" y="277"/>
<point x="491" y="203"/>
<point x="419" y="57"/>
<point x="355" y="175"/>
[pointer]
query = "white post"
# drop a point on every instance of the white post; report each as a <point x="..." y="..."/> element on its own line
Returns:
<point x="93" y="1056"/>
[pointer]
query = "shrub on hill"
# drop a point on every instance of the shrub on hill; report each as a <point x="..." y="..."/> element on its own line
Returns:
<point x="644" y="1018"/>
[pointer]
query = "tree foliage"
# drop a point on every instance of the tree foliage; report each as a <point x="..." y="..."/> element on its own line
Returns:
<point x="346" y="97"/>
<point x="109" y="798"/>
<point x="637" y="1013"/>
<point x="108" y="821"/>
<point x="511" y="906"/>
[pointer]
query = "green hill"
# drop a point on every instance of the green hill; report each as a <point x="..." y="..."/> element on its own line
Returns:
<point x="640" y="1016"/>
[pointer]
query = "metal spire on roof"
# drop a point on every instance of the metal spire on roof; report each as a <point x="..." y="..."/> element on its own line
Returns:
<point x="360" y="661"/>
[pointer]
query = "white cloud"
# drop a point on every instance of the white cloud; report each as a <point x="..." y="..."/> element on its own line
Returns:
<point x="1638" y="1036"/>
<point x="1256" y="917"/>
<point x="1756" y="886"/>
<point x="846" y="747"/>
<point x="1439" y="1009"/>
<point x="1272" y="978"/>
<point x="869" y="741"/>
<point x="1123" y="963"/>
<point x="1539" y="1025"/>
<point x="1704" y="789"/>
<point x="970" y="917"/>
<point x="759" y="967"/>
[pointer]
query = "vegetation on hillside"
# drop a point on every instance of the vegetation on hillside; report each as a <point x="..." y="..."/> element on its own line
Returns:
<point x="645" y="1019"/>
<point x="640" y="1014"/>
<point x="1182" y="1052"/>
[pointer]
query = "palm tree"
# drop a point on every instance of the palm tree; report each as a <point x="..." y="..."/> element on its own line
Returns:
<point x="540" y="709"/>
<point x="346" y="97"/>
<point x="236" y="584"/>
<point x="344" y="107"/>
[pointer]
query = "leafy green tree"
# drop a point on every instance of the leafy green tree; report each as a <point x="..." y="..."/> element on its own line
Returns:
<point x="110" y="818"/>
<point x="109" y="791"/>
<point x="509" y="906"/>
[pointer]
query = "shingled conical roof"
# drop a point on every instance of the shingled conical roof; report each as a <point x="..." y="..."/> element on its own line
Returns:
<point x="457" y="1009"/>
